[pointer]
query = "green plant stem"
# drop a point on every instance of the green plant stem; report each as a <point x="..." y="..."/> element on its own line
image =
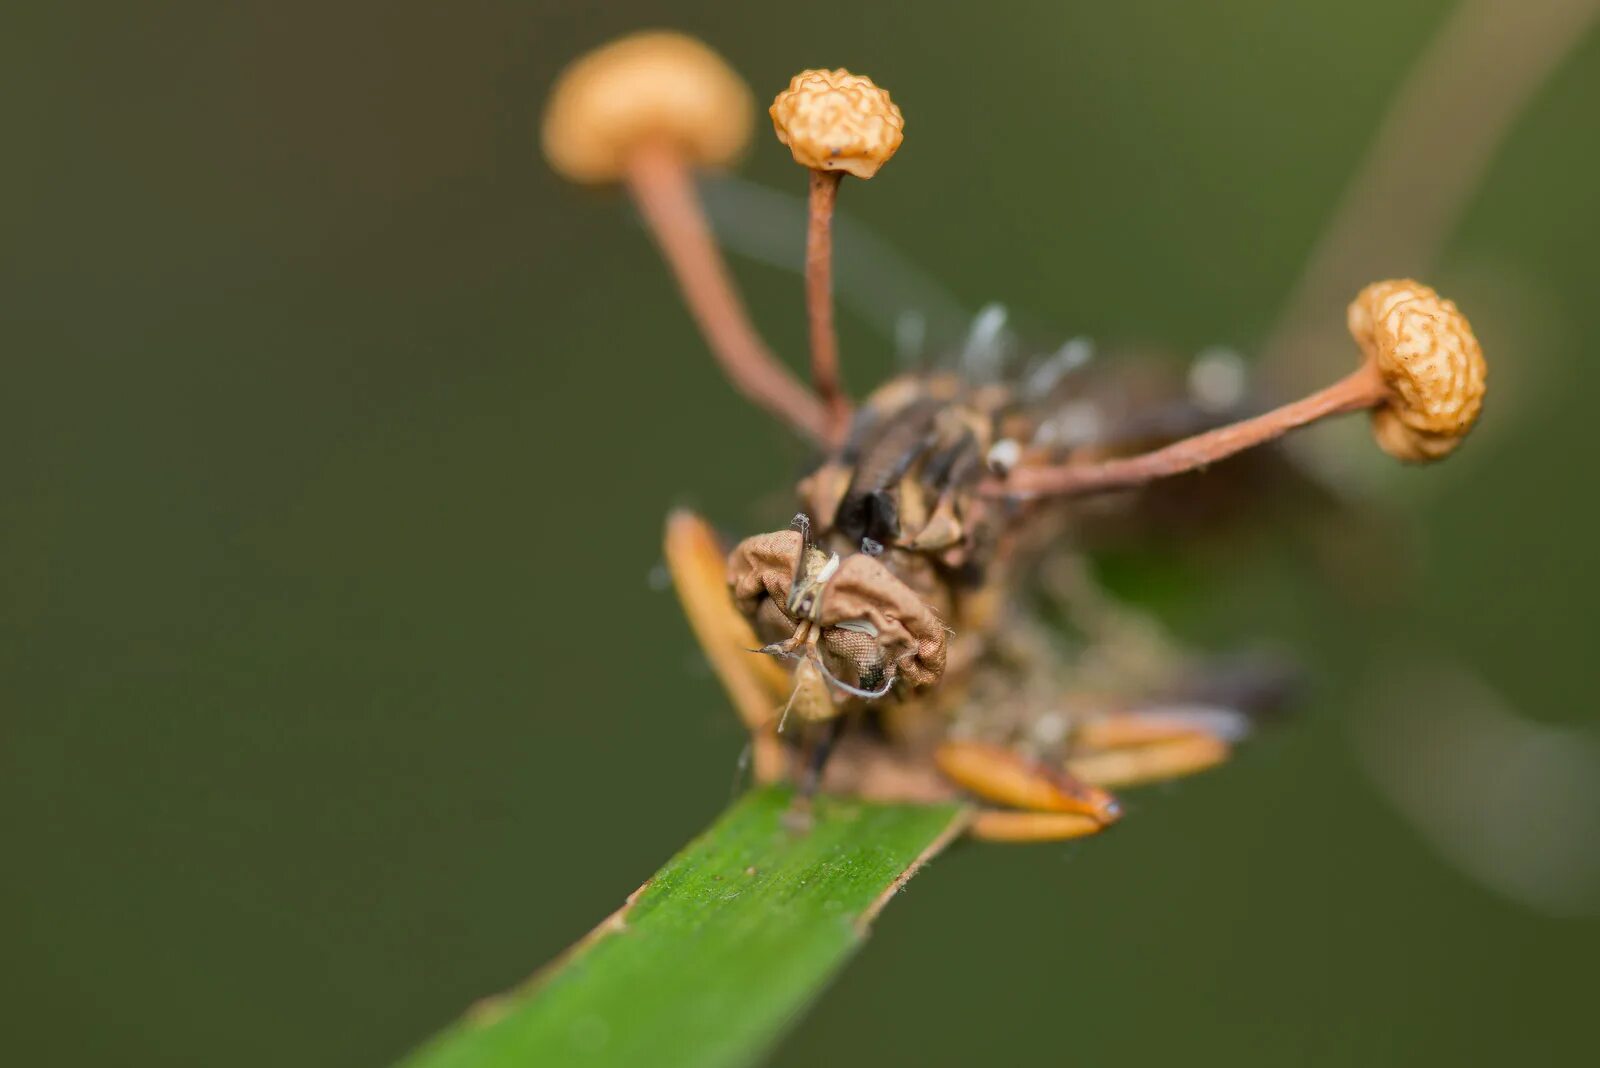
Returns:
<point x="722" y="948"/>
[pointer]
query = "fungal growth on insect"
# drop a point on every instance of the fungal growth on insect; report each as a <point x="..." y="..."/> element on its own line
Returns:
<point x="1422" y="376"/>
<point x="647" y="110"/>
<point x="926" y="628"/>
<point x="835" y="123"/>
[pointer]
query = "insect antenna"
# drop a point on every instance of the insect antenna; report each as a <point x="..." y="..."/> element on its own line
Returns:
<point x="801" y="525"/>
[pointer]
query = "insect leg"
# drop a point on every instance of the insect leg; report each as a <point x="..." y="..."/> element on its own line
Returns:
<point x="817" y="755"/>
<point x="1172" y="758"/>
<point x="1194" y="730"/>
<point x="1003" y="825"/>
<point x="1132" y="748"/>
<point x="1001" y="776"/>
<point x="757" y="685"/>
<point x="1160" y="723"/>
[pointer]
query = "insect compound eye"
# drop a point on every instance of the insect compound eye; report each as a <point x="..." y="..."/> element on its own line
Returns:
<point x="854" y="660"/>
<point x="882" y="621"/>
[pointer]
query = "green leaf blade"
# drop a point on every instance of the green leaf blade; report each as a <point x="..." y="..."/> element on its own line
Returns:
<point x="718" y="951"/>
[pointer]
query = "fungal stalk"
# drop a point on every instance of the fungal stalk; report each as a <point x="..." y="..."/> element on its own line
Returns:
<point x="645" y="111"/>
<point x="1422" y="376"/>
<point x="835" y="123"/>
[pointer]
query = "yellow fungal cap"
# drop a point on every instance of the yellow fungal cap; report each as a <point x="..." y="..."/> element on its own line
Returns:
<point x="655" y="86"/>
<point x="833" y="120"/>
<point x="1434" y="367"/>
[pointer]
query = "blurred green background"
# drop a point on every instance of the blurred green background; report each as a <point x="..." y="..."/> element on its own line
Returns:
<point x="336" y="438"/>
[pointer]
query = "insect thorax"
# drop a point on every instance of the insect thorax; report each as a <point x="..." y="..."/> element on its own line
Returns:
<point x="904" y="485"/>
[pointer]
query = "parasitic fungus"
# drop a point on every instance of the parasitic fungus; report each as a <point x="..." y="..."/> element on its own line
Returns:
<point x="1422" y="376"/>
<point x="645" y="110"/>
<point x="1433" y="366"/>
<point x="835" y="123"/>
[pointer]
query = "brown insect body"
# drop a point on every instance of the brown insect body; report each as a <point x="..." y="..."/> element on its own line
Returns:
<point x="902" y="505"/>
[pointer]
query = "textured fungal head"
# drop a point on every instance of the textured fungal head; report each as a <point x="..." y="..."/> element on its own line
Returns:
<point x="648" y="87"/>
<point x="833" y="120"/>
<point x="1434" y="367"/>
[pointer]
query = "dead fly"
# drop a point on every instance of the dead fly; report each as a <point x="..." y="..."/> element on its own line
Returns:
<point x="925" y="627"/>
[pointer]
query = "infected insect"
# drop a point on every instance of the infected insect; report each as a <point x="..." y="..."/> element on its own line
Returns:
<point x="891" y="643"/>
